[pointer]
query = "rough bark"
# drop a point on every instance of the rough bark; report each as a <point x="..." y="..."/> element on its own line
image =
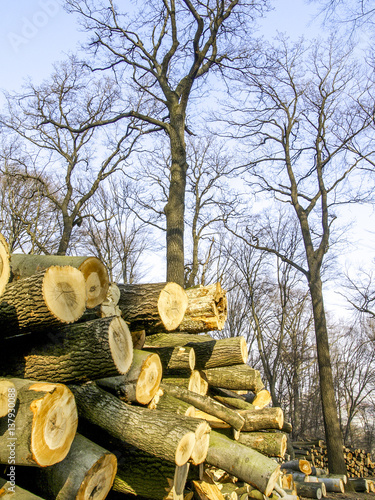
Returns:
<point x="153" y="307"/>
<point x="241" y="461"/>
<point x="4" y="264"/>
<point x="175" y="359"/>
<point x="47" y="299"/>
<point x="237" y="377"/>
<point x="92" y="268"/>
<point x="207" y="309"/>
<point x="41" y="425"/>
<point x="264" y="418"/>
<point x="270" y="444"/>
<point x="140" y="427"/>
<point x="79" y="352"/>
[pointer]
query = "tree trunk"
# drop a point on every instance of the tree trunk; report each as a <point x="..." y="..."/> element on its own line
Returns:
<point x="272" y="444"/>
<point x="140" y="383"/>
<point x="41" y="424"/>
<point x="93" y="270"/>
<point x="246" y="464"/>
<point x="175" y="359"/>
<point x="47" y="299"/>
<point x="206" y="404"/>
<point x="80" y="352"/>
<point x="4" y="264"/>
<point x="265" y="418"/>
<point x="153" y="307"/>
<point x="137" y="426"/>
<point x="206" y="311"/>
<point x="236" y="377"/>
<point x="9" y="490"/>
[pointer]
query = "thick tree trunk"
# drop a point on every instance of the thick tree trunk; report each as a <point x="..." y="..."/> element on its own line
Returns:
<point x="140" y="383"/>
<point x="265" y="418"/>
<point x="153" y="307"/>
<point x="236" y="377"/>
<point x="4" y="264"/>
<point x="41" y="424"/>
<point x="206" y="311"/>
<point x="175" y="359"/>
<point x="11" y="491"/>
<point x="246" y="464"/>
<point x="94" y="271"/>
<point x="272" y="444"/>
<point x="83" y="351"/>
<point x="47" y="299"/>
<point x="336" y="461"/>
<point x="140" y="427"/>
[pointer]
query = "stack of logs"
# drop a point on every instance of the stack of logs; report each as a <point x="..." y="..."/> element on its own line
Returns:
<point x="358" y="462"/>
<point x="99" y="396"/>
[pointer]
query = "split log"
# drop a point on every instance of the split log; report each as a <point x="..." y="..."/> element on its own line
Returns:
<point x="41" y="424"/>
<point x="165" y="402"/>
<point x="88" y="471"/>
<point x="8" y="396"/>
<point x="270" y="444"/>
<point x="206" y="490"/>
<point x="153" y="307"/>
<point x="243" y="462"/>
<point x="79" y="352"/>
<point x="206" y="310"/>
<point x="264" y="418"/>
<point x="175" y="339"/>
<point x="234" y="377"/>
<point x="11" y="491"/>
<point x="175" y="359"/>
<point x="206" y="404"/>
<point x="94" y="271"/>
<point x="193" y="382"/>
<point x="298" y="465"/>
<point x="311" y="490"/>
<point x="138" y="426"/>
<point x="4" y="264"/>
<point x="140" y="383"/>
<point x="46" y="299"/>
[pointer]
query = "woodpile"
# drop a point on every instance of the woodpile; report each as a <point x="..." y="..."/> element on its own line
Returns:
<point x="358" y="462"/>
<point x="120" y="387"/>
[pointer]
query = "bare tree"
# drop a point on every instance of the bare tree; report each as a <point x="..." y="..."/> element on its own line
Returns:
<point x="305" y="123"/>
<point x="163" y="48"/>
<point x="68" y="166"/>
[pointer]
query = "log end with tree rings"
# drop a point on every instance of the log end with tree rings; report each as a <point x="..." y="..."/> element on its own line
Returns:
<point x="185" y="448"/>
<point x="97" y="281"/>
<point x="202" y="442"/>
<point x="4" y="264"/>
<point x="99" y="479"/>
<point x="121" y="344"/>
<point x="172" y="305"/>
<point x="54" y="424"/>
<point x="6" y="388"/>
<point x="64" y="293"/>
<point x="221" y="306"/>
<point x="149" y="379"/>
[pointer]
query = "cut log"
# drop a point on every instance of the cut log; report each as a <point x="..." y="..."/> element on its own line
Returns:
<point x="270" y="444"/>
<point x="94" y="271"/>
<point x="175" y="339"/>
<point x="4" y="264"/>
<point x="175" y="359"/>
<point x="9" y="490"/>
<point x="109" y="306"/>
<point x="165" y="402"/>
<point x="79" y="352"/>
<point x="264" y="418"/>
<point x="46" y="299"/>
<point x="139" y="337"/>
<point x="298" y="465"/>
<point x="88" y="471"/>
<point x="311" y="490"/>
<point x="230" y="398"/>
<point x="215" y="422"/>
<point x="243" y="462"/>
<point x="153" y="307"/>
<point x="206" y="404"/>
<point x="41" y="425"/>
<point x="359" y="484"/>
<point x="206" y="310"/>
<point x="259" y="400"/>
<point x="140" y="383"/>
<point x="8" y="396"/>
<point x="191" y="382"/>
<point x="332" y="484"/>
<point x="146" y="429"/>
<point x="234" y="377"/>
<point x="207" y="490"/>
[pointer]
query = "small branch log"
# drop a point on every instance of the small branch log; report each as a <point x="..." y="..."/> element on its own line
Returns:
<point x="93" y="270"/>
<point x="154" y="307"/>
<point x="4" y="264"/>
<point x="243" y="462"/>
<point x="230" y="398"/>
<point x="46" y="299"/>
<point x="41" y="425"/>
<point x="264" y="418"/>
<point x="175" y="339"/>
<point x="137" y="426"/>
<point x="206" y="404"/>
<point x="140" y="383"/>
<point x="206" y="310"/>
<point x="175" y="359"/>
<point x="270" y="444"/>
<point x="9" y="491"/>
<point x="165" y="402"/>
<point x="235" y="377"/>
<point x="80" y="352"/>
